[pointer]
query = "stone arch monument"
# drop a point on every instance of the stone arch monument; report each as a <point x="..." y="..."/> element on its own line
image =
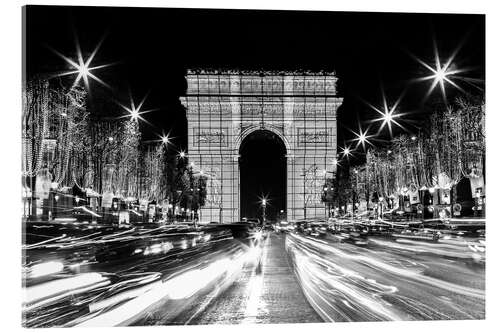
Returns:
<point x="224" y="106"/>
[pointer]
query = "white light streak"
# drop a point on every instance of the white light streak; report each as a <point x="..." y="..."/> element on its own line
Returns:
<point x="45" y="268"/>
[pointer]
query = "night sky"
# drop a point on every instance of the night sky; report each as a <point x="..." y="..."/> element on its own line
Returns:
<point x="152" y="47"/>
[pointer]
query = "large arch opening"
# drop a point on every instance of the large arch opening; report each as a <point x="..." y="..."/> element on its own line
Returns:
<point x="262" y="165"/>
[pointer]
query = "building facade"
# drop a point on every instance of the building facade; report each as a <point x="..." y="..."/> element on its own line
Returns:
<point x="224" y="107"/>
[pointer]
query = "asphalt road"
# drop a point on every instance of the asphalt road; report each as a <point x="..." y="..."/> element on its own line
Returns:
<point x="265" y="293"/>
<point x="174" y="277"/>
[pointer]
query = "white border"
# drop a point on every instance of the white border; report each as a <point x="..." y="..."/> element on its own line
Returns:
<point x="10" y="112"/>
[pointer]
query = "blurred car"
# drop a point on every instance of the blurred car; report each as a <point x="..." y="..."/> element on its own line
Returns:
<point x="247" y="232"/>
<point x="285" y="226"/>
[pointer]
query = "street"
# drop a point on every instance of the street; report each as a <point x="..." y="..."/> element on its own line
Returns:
<point x="209" y="276"/>
<point x="391" y="279"/>
<point x="270" y="294"/>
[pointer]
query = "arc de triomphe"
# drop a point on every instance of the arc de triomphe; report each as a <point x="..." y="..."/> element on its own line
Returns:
<point x="223" y="107"/>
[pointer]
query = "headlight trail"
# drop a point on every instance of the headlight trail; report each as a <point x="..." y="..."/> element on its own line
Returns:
<point x="388" y="280"/>
<point x="182" y="286"/>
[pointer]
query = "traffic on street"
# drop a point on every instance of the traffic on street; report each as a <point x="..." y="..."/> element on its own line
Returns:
<point x="84" y="274"/>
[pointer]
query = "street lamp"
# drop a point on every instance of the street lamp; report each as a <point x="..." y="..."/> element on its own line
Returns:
<point x="441" y="73"/>
<point x="346" y="151"/>
<point x="264" y="204"/>
<point x="165" y="139"/>
<point x="134" y="114"/>
<point x="388" y="114"/>
<point x="82" y="67"/>
<point x="362" y="138"/>
<point x="134" y="111"/>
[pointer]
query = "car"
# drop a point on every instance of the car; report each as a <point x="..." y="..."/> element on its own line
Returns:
<point x="316" y="229"/>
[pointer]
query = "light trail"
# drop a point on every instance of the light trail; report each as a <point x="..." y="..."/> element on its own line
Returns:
<point x="344" y="282"/>
<point x="180" y="287"/>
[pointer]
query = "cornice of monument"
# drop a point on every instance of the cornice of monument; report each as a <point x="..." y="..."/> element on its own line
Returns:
<point x="258" y="72"/>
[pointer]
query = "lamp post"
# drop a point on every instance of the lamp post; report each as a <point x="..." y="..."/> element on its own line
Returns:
<point x="264" y="204"/>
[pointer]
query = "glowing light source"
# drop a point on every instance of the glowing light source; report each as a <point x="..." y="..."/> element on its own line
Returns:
<point x="134" y="112"/>
<point x="82" y="67"/>
<point x="165" y="139"/>
<point x="388" y="118"/>
<point x="388" y="114"/>
<point x="362" y="138"/>
<point x="182" y="154"/>
<point x="441" y="73"/>
<point x="346" y="151"/>
<point x="263" y="200"/>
